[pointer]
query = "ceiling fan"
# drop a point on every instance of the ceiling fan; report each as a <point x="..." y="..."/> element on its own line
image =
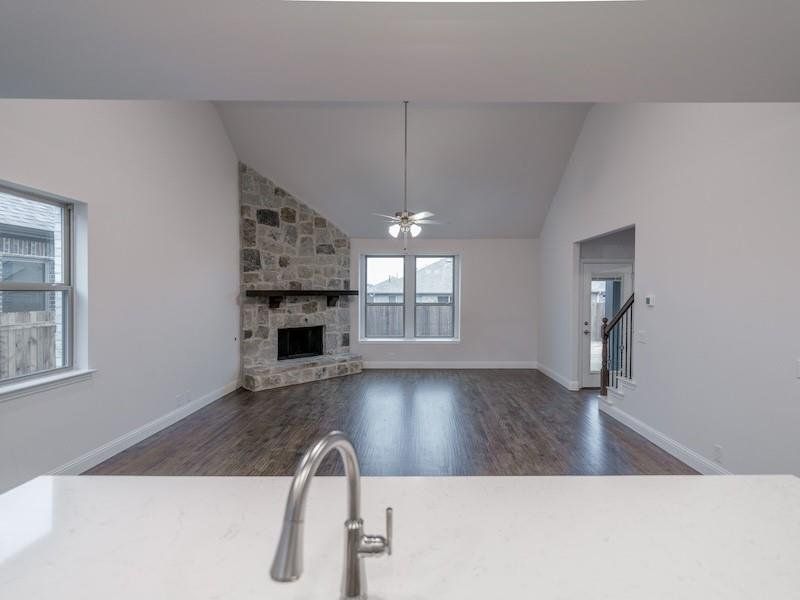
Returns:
<point x="403" y="222"/>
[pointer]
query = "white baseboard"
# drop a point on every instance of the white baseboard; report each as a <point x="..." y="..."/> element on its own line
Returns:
<point x="614" y="396"/>
<point x="106" y="451"/>
<point x="427" y="364"/>
<point x="682" y="453"/>
<point x="570" y="384"/>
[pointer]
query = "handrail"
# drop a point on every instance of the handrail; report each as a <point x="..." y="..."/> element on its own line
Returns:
<point x="622" y="350"/>
<point x="615" y="319"/>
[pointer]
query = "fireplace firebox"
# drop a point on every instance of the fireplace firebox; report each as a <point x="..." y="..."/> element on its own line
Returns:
<point x="299" y="342"/>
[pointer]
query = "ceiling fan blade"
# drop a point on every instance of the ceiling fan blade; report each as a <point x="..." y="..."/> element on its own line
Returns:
<point x="422" y="215"/>
<point x="427" y="222"/>
<point x="393" y="218"/>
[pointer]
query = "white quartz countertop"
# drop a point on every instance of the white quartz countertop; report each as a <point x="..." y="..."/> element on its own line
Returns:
<point x="204" y="538"/>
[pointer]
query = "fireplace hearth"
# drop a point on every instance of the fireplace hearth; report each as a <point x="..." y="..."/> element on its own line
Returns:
<point x="299" y="342"/>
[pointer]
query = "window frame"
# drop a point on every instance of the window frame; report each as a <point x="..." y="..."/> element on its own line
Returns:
<point x="410" y="298"/>
<point x="66" y="286"/>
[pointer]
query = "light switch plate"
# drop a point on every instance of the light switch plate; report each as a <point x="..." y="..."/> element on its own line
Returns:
<point x="650" y="300"/>
<point x="641" y="336"/>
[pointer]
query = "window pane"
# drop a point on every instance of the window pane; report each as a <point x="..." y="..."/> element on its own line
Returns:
<point x="384" y="298"/>
<point x="434" y="320"/>
<point x="434" y="277"/>
<point x="605" y="302"/>
<point x="434" y="312"/>
<point x="32" y="332"/>
<point x="385" y="279"/>
<point x="384" y="320"/>
<point x="31" y="240"/>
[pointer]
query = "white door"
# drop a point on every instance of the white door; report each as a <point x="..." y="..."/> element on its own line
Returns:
<point x="605" y="288"/>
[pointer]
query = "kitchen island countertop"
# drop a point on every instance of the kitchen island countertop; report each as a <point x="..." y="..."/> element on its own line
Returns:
<point x="459" y="538"/>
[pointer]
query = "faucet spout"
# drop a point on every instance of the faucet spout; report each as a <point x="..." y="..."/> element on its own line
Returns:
<point x="288" y="562"/>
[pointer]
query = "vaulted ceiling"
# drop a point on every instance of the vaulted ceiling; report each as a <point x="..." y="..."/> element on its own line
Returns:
<point x="486" y="170"/>
<point x="654" y="50"/>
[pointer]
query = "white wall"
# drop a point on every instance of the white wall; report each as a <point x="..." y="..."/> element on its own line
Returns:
<point x="498" y="306"/>
<point x="160" y="183"/>
<point x="713" y="190"/>
<point x="620" y="245"/>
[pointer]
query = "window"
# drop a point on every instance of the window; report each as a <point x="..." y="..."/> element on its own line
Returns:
<point x="384" y="311"/>
<point x="409" y="297"/>
<point x="35" y="285"/>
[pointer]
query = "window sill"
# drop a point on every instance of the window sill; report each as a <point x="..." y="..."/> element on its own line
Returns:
<point x="35" y="385"/>
<point x="409" y="340"/>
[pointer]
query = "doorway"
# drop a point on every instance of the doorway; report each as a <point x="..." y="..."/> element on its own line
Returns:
<point x="604" y="289"/>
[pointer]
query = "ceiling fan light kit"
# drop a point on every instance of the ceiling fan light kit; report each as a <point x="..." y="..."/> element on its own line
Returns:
<point x="405" y="222"/>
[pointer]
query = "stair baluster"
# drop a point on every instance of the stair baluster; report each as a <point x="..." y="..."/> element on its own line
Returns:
<point x="617" y="359"/>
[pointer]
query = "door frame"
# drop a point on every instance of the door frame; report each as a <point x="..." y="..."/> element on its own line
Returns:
<point x="588" y="269"/>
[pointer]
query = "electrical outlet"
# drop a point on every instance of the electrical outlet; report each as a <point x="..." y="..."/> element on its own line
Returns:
<point x="717" y="454"/>
<point x="641" y="336"/>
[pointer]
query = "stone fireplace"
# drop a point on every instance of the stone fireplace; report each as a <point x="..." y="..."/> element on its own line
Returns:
<point x="287" y="246"/>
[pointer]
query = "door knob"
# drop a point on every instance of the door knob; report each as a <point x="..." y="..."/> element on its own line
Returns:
<point x="586" y="331"/>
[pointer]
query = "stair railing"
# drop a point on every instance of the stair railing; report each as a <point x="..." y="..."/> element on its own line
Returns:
<point x="617" y="347"/>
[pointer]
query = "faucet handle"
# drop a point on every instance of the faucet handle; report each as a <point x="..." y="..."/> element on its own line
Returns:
<point x="377" y="545"/>
<point x="389" y="520"/>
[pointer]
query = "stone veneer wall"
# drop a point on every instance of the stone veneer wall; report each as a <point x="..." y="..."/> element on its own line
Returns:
<point x="286" y="245"/>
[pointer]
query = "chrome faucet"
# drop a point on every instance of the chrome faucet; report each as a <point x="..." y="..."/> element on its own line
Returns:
<point x="288" y="562"/>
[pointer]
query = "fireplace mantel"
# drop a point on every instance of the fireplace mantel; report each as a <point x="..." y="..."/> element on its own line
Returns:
<point x="276" y="296"/>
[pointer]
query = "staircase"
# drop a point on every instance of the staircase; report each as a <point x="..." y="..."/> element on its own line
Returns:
<point x="617" y="333"/>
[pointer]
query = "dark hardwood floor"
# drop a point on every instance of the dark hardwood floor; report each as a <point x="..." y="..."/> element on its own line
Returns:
<point x="425" y="422"/>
